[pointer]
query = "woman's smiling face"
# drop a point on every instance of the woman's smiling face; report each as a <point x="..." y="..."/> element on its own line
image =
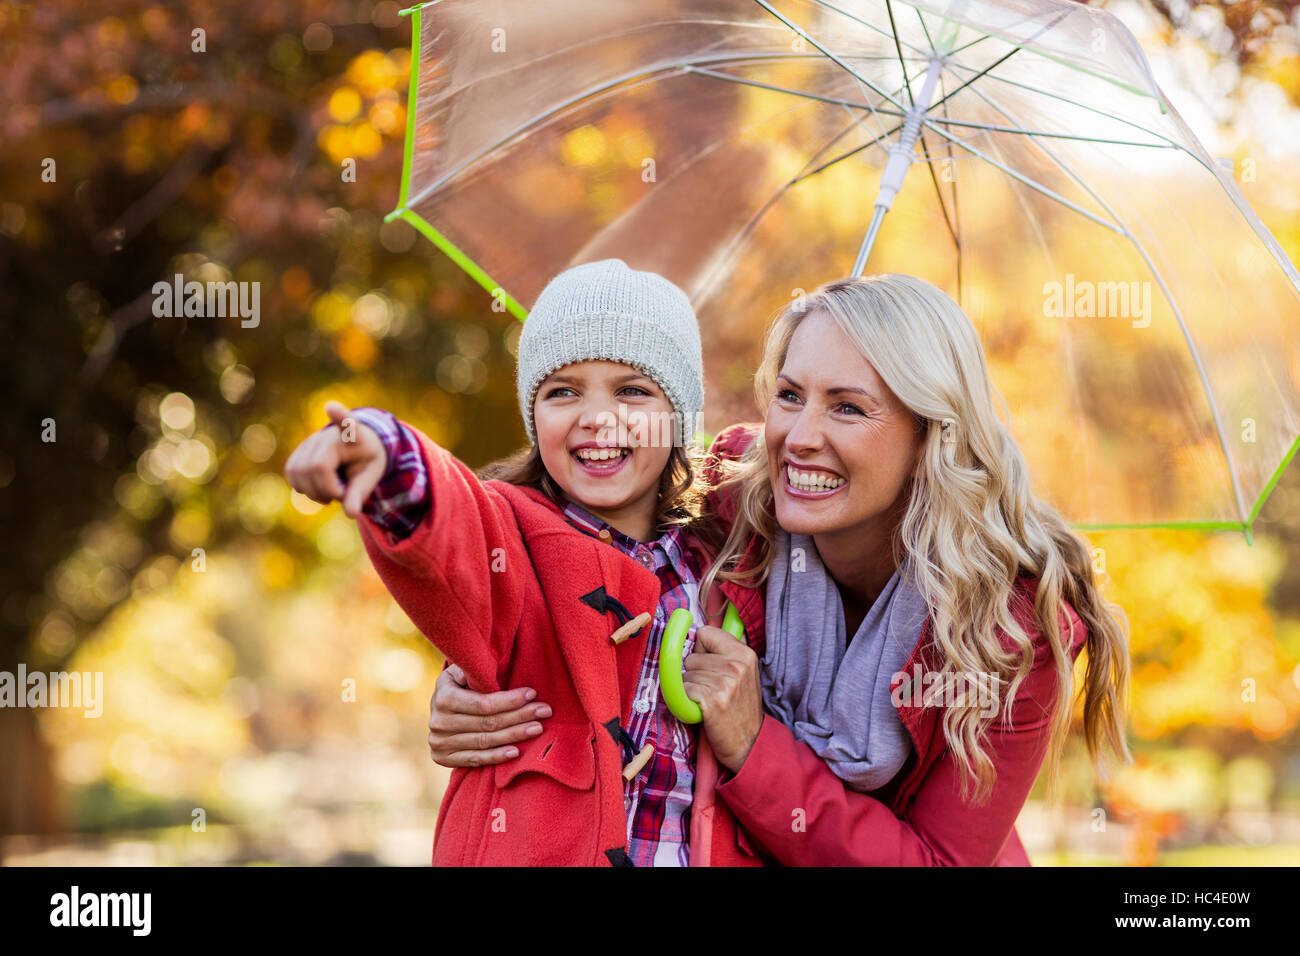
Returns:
<point x="841" y="446"/>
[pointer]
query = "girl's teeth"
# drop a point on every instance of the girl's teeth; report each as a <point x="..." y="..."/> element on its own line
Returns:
<point x="600" y="454"/>
<point x="813" y="480"/>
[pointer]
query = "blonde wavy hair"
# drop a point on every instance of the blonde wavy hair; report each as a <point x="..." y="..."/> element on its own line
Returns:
<point x="971" y="527"/>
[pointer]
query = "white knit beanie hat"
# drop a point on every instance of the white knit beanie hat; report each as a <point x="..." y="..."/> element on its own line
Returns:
<point x="604" y="310"/>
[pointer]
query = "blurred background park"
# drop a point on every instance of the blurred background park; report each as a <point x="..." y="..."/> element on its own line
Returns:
<point x="264" y="698"/>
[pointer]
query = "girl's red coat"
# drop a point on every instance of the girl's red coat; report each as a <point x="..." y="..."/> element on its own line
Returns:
<point x="493" y="576"/>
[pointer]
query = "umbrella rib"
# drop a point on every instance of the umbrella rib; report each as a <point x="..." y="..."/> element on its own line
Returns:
<point x="1004" y="129"/>
<point x="743" y="233"/>
<point x="999" y="37"/>
<point x="833" y="57"/>
<point x="1051" y="262"/>
<point x="1021" y="177"/>
<point x="841" y="101"/>
<point x="941" y="102"/>
<point x="884" y="134"/>
<point x="871" y="26"/>
<point x="971" y="124"/>
<point x="820" y="97"/>
<point x="954" y="225"/>
<point x="987" y="71"/>
<point x="1060" y="59"/>
<point x="934" y="178"/>
<point x="856" y="124"/>
<point x="843" y="156"/>
<point x="956" y="208"/>
<point x="1164" y="288"/>
<point x="712" y="148"/>
<point x="834" y="100"/>
<point x="980" y="39"/>
<point x="727" y="58"/>
<point x="1032" y="219"/>
<point x="924" y="29"/>
<point x="1065" y="99"/>
<point x="875" y="141"/>
<point x="889" y="6"/>
<point x="926" y="53"/>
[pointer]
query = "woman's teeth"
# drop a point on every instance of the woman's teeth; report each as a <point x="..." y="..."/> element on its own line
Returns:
<point x="601" y="454"/>
<point x="813" y="480"/>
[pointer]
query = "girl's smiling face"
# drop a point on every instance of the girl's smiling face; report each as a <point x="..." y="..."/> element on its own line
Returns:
<point x="602" y="435"/>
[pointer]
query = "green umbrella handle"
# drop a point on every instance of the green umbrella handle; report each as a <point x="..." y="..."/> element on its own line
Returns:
<point x="671" y="651"/>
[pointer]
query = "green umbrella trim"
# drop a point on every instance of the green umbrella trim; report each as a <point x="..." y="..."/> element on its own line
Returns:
<point x="449" y="248"/>
<point x="471" y="268"/>
<point x="410" y="11"/>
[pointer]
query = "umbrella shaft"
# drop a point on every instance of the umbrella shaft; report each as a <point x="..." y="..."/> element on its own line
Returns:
<point x="876" y="218"/>
<point x="900" y="154"/>
<point x="900" y="160"/>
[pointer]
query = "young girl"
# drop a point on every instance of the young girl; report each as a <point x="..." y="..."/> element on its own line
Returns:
<point x="560" y="571"/>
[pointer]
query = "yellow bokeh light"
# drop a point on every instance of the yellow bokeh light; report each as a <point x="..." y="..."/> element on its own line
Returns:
<point x="356" y="348"/>
<point x="336" y="141"/>
<point x="190" y="528"/>
<point x="584" y="146"/>
<point x="123" y="90"/>
<point x="365" y="141"/>
<point x="332" y="311"/>
<point x="373" y="71"/>
<point x="345" y="104"/>
<point x="193" y="118"/>
<point x="276" y="568"/>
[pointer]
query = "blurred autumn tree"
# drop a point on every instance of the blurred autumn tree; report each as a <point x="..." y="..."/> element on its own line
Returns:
<point x="220" y="159"/>
<point x="1241" y="31"/>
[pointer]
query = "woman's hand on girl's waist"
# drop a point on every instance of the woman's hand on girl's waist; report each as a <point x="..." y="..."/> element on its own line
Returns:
<point x="469" y="729"/>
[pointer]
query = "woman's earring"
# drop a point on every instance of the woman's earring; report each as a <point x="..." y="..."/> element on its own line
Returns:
<point x="948" y="430"/>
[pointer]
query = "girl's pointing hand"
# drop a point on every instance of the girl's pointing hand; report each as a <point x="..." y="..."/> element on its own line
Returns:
<point x="313" y="468"/>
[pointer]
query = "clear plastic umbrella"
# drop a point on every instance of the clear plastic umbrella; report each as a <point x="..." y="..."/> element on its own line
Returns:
<point x="1140" y="322"/>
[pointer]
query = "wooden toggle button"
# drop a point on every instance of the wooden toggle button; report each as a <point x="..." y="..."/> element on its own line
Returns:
<point x="630" y="628"/>
<point x="636" y="763"/>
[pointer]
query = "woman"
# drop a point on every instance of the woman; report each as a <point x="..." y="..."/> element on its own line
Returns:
<point x="883" y="499"/>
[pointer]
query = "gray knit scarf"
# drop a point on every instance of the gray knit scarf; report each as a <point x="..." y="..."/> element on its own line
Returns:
<point x="837" y="701"/>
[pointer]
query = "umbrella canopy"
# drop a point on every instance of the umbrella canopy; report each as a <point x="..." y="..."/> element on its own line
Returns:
<point x="1140" y="322"/>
